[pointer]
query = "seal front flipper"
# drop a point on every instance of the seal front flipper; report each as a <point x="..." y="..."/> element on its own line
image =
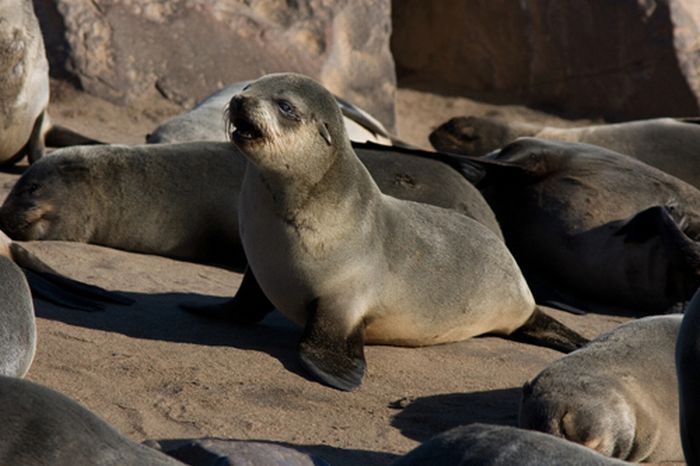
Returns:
<point x="249" y="306"/>
<point x="333" y="354"/>
<point x="542" y="330"/>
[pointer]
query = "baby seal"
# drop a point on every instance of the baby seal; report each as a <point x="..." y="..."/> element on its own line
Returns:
<point x="668" y="144"/>
<point x="17" y="323"/>
<point x="24" y="88"/>
<point x="486" y="445"/>
<point x="352" y="265"/>
<point x="618" y="395"/>
<point x="42" y="427"/>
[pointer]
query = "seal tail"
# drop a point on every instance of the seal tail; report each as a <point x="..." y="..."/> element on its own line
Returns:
<point x="49" y="285"/>
<point x="543" y="330"/>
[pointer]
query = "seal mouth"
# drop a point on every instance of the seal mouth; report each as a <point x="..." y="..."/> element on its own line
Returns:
<point x="245" y="130"/>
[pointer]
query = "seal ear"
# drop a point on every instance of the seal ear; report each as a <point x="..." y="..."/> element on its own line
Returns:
<point x="325" y="134"/>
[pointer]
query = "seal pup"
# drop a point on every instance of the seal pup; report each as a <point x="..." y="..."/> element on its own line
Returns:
<point x="24" y="88"/>
<point x="205" y="122"/>
<point x="618" y="395"/>
<point x="42" y="427"/>
<point x="601" y="230"/>
<point x="352" y="265"/>
<point x="17" y="323"/>
<point x="688" y="368"/>
<point x="189" y="192"/>
<point x="488" y="445"/>
<point x="669" y="144"/>
<point x="218" y="452"/>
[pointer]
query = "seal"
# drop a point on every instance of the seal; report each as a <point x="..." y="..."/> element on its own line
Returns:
<point x="595" y="229"/>
<point x="17" y="323"/>
<point x="687" y="363"/>
<point x="96" y="194"/>
<point x="488" y="445"/>
<point x="24" y="88"/>
<point x="664" y="143"/>
<point x="234" y="452"/>
<point x="618" y="395"/>
<point x="352" y="265"/>
<point x="45" y="428"/>
<point x="205" y="122"/>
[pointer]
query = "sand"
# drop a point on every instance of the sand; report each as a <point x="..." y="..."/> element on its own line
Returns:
<point x="155" y="372"/>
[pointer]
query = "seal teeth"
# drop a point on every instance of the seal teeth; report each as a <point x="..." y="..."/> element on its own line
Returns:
<point x="244" y="129"/>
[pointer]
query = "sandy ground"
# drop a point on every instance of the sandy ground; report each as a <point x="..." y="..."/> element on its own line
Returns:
<point x="156" y="372"/>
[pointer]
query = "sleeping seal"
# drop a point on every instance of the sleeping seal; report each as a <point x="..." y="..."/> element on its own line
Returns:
<point x="487" y="445"/>
<point x="669" y="144"/>
<point x="618" y="395"/>
<point x="17" y="323"/>
<point x="352" y="265"/>
<point x="42" y="427"/>
<point x="601" y="230"/>
<point x="205" y="122"/>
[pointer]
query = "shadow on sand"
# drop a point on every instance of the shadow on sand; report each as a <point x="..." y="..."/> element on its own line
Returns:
<point x="158" y="317"/>
<point x="430" y="415"/>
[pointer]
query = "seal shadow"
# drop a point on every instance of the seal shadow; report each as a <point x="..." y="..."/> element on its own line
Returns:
<point x="326" y="454"/>
<point x="427" y="416"/>
<point x="158" y="317"/>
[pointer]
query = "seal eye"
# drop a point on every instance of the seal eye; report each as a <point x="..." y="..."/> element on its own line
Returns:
<point x="32" y="188"/>
<point x="285" y="107"/>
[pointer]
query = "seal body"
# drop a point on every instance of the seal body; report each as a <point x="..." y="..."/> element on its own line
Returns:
<point x="601" y="229"/>
<point x="618" y="395"/>
<point x="24" y="81"/>
<point x="205" y="122"/>
<point x="189" y="192"/>
<point x="44" y="428"/>
<point x="687" y="363"/>
<point x="25" y="126"/>
<point x="487" y="445"/>
<point x="668" y="144"/>
<point x="17" y="323"/>
<point x="351" y="264"/>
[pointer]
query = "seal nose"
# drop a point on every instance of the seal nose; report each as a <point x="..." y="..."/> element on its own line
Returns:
<point x="236" y="104"/>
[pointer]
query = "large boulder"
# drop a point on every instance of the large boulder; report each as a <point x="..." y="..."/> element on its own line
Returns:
<point x="122" y="50"/>
<point x="621" y="60"/>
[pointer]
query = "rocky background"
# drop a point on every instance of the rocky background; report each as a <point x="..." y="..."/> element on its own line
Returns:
<point x="584" y="58"/>
<point x="618" y="60"/>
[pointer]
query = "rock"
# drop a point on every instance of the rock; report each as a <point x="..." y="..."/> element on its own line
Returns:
<point x="123" y="50"/>
<point x="621" y="60"/>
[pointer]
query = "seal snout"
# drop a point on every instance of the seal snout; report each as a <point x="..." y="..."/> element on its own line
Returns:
<point x="239" y="115"/>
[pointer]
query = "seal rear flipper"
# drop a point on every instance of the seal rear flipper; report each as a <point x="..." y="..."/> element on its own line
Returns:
<point x="48" y="291"/>
<point x="59" y="136"/>
<point x="35" y="147"/>
<point x="51" y="286"/>
<point x="542" y="330"/>
<point x="249" y="306"/>
<point x="329" y="352"/>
